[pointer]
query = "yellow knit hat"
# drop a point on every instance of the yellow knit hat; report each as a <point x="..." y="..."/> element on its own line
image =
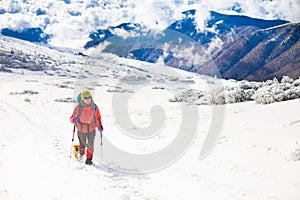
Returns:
<point x="85" y="93"/>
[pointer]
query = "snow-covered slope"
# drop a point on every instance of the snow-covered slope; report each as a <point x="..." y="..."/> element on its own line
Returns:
<point x="152" y="148"/>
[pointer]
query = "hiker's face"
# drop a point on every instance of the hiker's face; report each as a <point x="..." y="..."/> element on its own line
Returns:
<point x="87" y="100"/>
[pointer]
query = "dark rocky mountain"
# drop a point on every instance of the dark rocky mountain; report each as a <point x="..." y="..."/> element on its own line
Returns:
<point x="223" y="24"/>
<point x="252" y="49"/>
<point x="259" y="56"/>
<point x="102" y="35"/>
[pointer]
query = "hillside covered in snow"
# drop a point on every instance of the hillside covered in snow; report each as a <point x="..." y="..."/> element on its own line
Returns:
<point x="154" y="148"/>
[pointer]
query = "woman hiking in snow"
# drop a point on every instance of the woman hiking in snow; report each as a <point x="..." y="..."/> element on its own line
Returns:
<point x="87" y="118"/>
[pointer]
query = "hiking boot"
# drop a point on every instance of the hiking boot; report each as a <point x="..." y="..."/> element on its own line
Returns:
<point x="88" y="162"/>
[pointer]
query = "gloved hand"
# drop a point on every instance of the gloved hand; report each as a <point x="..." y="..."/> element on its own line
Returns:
<point x="100" y="128"/>
<point x="74" y="120"/>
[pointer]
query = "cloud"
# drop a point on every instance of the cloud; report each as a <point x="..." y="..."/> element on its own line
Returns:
<point x="68" y="34"/>
<point x="266" y="9"/>
<point x="17" y="22"/>
<point x="201" y="15"/>
<point x="192" y="53"/>
<point x="125" y="34"/>
<point x="13" y="6"/>
<point x="150" y="14"/>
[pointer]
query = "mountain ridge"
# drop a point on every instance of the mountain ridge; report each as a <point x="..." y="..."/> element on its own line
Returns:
<point x="239" y="34"/>
<point x="242" y="53"/>
<point x="269" y="53"/>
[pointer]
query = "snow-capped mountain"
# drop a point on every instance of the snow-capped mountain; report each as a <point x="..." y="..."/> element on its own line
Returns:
<point x="235" y="55"/>
<point x="163" y="32"/>
<point x="219" y="25"/>
<point x="228" y="47"/>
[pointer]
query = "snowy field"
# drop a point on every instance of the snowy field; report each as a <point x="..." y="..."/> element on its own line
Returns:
<point x="255" y="156"/>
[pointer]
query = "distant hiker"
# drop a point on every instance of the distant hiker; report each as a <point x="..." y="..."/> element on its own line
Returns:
<point x="87" y="118"/>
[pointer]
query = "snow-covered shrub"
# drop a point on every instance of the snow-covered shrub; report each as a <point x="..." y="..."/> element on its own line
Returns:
<point x="248" y="94"/>
<point x="275" y="80"/>
<point x="3" y="69"/>
<point x="248" y="89"/>
<point x="246" y="85"/>
<point x="174" y="79"/>
<point x="66" y="100"/>
<point x="117" y="90"/>
<point x="218" y="96"/>
<point x="297" y="91"/>
<point x="266" y="92"/>
<point x="277" y="92"/>
<point x="290" y="94"/>
<point x="158" y="88"/>
<point x="286" y="86"/>
<point x="273" y="91"/>
<point x="264" y="96"/>
<point x="268" y="83"/>
<point x="176" y="99"/>
<point x="279" y="97"/>
<point x="234" y="95"/>
<point x="25" y="92"/>
<point x="204" y="100"/>
<point x="286" y="79"/>
<point x="276" y="89"/>
<point x="295" y="153"/>
<point x="297" y="82"/>
<point x="27" y="100"/>
<point x="230" y="95"/>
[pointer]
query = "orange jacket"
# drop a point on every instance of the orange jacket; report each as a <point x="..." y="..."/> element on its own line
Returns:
<point x="88" y="119"/>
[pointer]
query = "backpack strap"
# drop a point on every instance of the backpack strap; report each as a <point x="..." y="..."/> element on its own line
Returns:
<point x="95" y="107"/>
<point x="80" y="110"/>
<point x="79" y="113"/>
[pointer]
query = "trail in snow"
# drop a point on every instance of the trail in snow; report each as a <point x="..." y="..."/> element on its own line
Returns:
<point x="35" y="156"/>
<point x="254" y="158"/>
<point x="36" y="136"/>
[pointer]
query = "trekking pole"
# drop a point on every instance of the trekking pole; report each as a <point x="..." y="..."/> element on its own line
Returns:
<point x="101" y="138"/>
<point x="72" y="144"/>
<point x="101" y="145"/>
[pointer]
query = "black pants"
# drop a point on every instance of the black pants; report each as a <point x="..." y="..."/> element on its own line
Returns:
<point x="86" y="140"/>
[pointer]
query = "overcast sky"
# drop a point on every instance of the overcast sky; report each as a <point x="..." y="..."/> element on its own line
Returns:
<point x="73" y="20"/>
